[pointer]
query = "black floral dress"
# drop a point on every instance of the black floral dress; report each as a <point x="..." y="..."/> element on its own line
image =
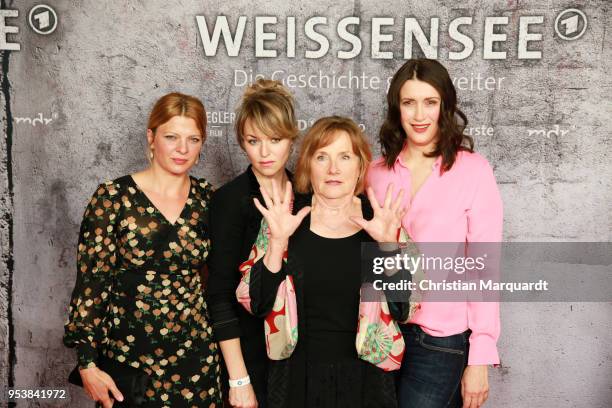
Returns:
<point x="138" y="297"/>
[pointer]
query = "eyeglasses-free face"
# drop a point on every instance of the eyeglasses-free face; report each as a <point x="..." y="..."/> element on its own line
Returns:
<point x="268" y="154"/>
<point x="335" y="168"/>
<point x="420" y="111"/>
<point x="175" y="145"/>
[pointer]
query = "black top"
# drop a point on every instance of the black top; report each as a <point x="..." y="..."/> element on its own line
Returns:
<point x="234" y="225"/>
<point x="331" y="292"/>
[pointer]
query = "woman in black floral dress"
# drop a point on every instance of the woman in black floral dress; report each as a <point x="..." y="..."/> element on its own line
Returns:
<point x="138" y="296"/>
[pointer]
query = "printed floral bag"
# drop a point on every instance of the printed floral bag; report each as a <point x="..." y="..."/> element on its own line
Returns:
<point x="379" y="339"/>
<point x="280" y="325"/>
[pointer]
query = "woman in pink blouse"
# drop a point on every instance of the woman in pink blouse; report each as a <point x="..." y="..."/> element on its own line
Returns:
<point x="453" y="198"/>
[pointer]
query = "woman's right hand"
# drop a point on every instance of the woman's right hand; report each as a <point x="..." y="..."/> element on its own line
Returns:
<point x="277" y="212"/>
<point x="97" y="385"/>
<point x="242" y="397"/>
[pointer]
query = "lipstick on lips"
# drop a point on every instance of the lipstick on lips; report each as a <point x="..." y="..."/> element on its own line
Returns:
<point x="419" y="128"/>
<point x="266" y="163"/>
<point x="179" y="161"/>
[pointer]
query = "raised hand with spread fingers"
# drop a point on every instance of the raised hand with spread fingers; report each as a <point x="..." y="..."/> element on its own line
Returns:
<point x="387" y="220"/>
<point x="281" y="221"/>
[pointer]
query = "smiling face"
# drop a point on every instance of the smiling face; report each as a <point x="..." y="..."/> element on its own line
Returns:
<point x="175" y="144"/>
<point x="335" y="168"/>
<point x="420" y="111"/>
<point x="268" y="154"/>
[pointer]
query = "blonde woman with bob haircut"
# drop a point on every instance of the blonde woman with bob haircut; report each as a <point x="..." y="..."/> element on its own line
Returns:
<point x="137" y="314"/>
<point x="322" y="233"/>
<point x="265" y="129"/>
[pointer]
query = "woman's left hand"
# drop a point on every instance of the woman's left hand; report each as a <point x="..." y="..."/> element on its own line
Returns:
<point x="475" y="386"/>
<point x="387" y="218"/>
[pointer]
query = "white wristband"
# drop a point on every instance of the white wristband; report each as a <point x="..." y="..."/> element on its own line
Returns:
<point x="240" y="382"/>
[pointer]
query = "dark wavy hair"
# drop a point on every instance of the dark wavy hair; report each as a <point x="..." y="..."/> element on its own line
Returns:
<point x="451" y="138"/>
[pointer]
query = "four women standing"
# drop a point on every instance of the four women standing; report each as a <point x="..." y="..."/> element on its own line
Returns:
<point x="139" y="300"/>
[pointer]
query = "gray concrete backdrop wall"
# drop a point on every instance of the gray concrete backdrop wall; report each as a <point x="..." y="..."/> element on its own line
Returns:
<point x="74" y="109"/>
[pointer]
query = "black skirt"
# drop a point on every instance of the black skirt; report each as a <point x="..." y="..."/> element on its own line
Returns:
<point x="354" y="383"/>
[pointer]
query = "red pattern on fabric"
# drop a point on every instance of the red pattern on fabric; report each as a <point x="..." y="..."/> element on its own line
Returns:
<point x="270" y="319"/>
<point x="386" y="318"/>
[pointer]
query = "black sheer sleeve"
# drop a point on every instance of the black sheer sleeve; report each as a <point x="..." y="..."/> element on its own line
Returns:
<point x="263" y="287"/>
<point x="226" y="233"/>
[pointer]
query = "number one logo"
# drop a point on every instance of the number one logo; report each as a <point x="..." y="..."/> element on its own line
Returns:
<point x="43" y="20"/>
<point x="571" y="24"/>
<point x="568" y="24"/>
